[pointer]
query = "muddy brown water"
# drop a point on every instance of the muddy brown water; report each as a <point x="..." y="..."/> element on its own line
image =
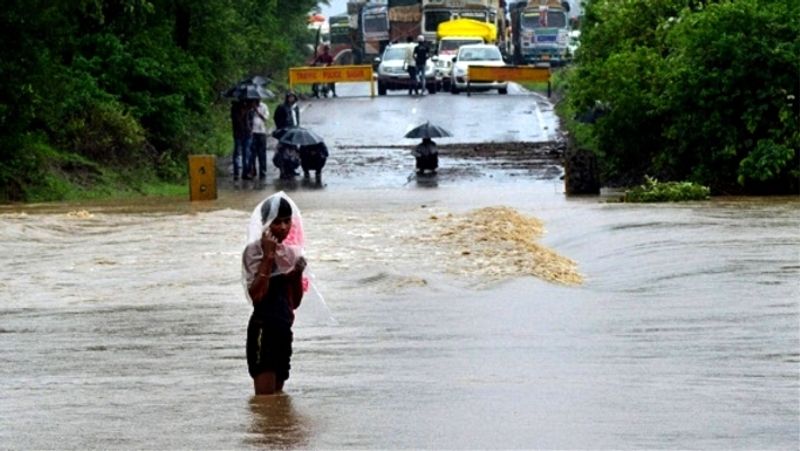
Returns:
<point x="122" y="323"/>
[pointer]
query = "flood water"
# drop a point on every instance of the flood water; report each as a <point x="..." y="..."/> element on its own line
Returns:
<point x="123" y="327"/>
<point x="122" y="324"/>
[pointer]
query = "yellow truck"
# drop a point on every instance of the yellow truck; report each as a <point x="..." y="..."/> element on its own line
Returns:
<point x="453" y="34"/>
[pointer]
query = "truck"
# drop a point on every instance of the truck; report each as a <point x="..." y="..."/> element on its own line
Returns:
<point x="453" y="34"/>
<point x="434" y="12"/>
<point x="369" y="28"/>
<point x="405" y="19"/>
<point x="540" y="32"/>
<point x="342" y="36"/>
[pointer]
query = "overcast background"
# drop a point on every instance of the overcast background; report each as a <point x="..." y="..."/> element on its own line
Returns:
<point x="336" y="7"/>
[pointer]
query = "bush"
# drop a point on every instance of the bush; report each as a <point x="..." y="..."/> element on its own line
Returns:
<point x="654" y="191"/>
<point x="704" y="91"/>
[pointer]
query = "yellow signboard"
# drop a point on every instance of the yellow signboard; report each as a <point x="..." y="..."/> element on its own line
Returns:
<point x="330" y="74"/>
<point x="508" y="73"/>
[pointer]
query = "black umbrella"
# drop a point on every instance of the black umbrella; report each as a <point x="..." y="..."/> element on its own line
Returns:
<point x="298" y="136"/>
<point x="428" y="130"/>
<point x="248" y="91"/>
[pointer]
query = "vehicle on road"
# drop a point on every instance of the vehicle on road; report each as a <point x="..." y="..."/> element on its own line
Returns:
<point x="476" y="55"/>
<point x="540" y="33"/>
<point x="392" y="73"/>
<point x="452" y="35"/>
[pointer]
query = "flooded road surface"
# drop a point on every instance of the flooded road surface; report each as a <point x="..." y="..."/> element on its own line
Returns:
<point x="122" y="324"/>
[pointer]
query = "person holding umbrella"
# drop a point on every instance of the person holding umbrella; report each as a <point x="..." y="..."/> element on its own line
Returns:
<point x="311" y="149"/>
<point x="243" y="94"/>
<point x="242" y="135"/>
<point x="426" y="154"/>
<point x="287" y="116"/>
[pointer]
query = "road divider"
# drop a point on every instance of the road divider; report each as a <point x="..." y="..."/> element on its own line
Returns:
<point x="479" y="74"/>
<point x="307" y="75"/>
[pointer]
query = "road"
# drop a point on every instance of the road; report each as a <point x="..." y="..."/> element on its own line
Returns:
<point x="354" y="118"/>
<point x="494" y="136"/>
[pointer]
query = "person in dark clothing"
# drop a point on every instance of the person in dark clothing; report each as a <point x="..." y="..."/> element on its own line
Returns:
<point x="287" y="160"/>
<point x="421" y="54"/>
<point x="324" y="59"/>
<point x="313" y="158"/>
<point x="273" y="273"/>
<point x="287" y="115"/>
<point x="242" y="125"/>
<point x="411" y="67"/>
<point x="427" y="156"/>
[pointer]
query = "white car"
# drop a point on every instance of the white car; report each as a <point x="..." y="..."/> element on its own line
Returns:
<point x="448" y="47"/>
<point x="392" y="74"/>
<point x="476" y="55"/>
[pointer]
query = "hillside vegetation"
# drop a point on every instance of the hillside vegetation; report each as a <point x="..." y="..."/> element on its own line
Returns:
<point x="102" y="96"/>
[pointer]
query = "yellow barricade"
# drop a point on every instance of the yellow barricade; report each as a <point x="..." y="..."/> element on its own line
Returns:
<point x="331" y="74"/>
<point x="202" y="177"/>
<point x="508" y="73"/>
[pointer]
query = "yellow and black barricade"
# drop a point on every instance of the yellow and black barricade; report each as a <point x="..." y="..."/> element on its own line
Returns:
<point x="331" y="74"/>
<point x="508" y="73"/>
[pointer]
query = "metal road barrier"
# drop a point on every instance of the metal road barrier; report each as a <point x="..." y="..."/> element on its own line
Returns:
<point x="331" y="74"/>
<point x="508" y="73"/>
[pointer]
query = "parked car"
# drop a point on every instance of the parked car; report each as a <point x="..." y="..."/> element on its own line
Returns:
<point x="392" y="74"/>
<point x="443" y="61"/>
<point x="476" y="55"/>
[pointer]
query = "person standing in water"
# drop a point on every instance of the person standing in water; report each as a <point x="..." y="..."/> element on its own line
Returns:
<point x="273" y="268"/>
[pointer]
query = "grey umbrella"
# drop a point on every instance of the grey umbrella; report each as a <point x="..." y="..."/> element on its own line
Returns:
<point x="248" y="91"/>
<point x="299" y="136"/>
<point x="428" y="130"/>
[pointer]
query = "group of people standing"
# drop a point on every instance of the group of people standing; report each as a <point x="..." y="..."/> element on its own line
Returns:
<point x="415" y="59"/>
<point x="249" y="119"/>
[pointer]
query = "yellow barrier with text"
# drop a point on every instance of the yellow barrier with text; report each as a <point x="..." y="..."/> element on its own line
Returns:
<point x="331" y="74"/>
<point x="508" y="73"/>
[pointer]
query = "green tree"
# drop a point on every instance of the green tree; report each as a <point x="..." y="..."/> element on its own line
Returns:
<point x="699" y="91"/>
<point x="128" y="84"/>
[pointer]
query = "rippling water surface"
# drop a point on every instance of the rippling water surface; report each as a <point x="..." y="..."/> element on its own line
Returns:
<point x="122" y="326"/>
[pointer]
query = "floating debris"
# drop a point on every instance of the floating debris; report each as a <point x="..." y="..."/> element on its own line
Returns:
<point x="499" y="242"/>
<point x="80" y="214"/>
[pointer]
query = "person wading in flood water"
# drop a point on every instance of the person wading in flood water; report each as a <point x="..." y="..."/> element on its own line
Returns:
<point x="272" y="267"/>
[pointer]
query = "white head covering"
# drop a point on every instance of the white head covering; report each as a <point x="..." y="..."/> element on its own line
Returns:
<point x="290" y="249"/>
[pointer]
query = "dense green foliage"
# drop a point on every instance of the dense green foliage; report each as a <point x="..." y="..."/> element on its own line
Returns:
<point x="654" y="191"/>
<point x="99" y="91"/>
<point x="705" y="91"/>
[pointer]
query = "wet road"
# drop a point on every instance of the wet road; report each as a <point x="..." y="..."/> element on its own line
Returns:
<point x="520" y="116"/>
<point x="122" y="323"/>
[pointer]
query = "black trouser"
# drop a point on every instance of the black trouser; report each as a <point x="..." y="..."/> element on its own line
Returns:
<point x="412" y="78"/>
<point x="258" y="150"/>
